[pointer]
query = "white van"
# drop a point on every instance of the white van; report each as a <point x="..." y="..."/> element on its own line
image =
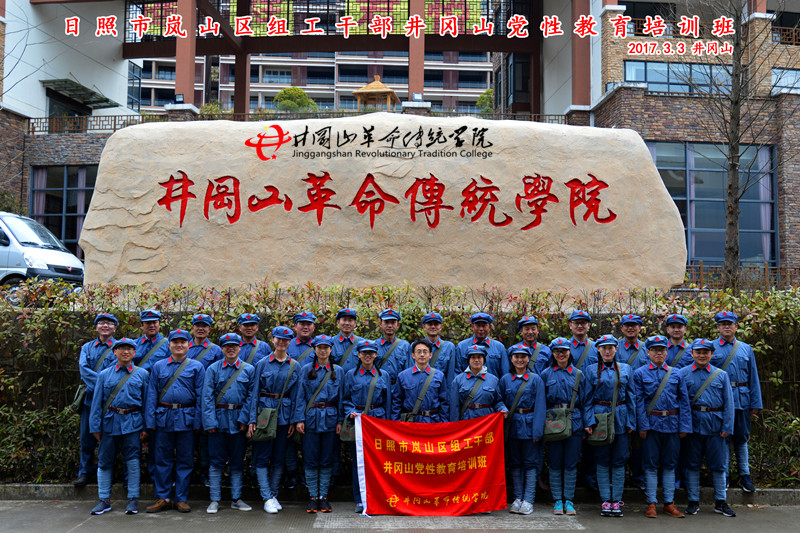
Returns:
<point x="29" y="250"/>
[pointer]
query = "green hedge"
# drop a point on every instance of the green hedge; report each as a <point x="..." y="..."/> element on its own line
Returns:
<point x="40" y="341"/>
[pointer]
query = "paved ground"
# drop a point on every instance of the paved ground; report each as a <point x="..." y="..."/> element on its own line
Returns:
<point x="73" y="516"/>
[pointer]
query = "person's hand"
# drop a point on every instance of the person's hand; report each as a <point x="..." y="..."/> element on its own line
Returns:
<point x="242" y="427"/>
<point x="142" y="436"/>
<point x="505" y="414"/>
<point x="682" y="435"/>
<point x="291" y="431"/>
<point x="251" y="428"/>
<point x="301" y="428"/>
<point x="643" y="435"/>
<point x="212" y="430"/>
<point x="353" y="414"/>
<point x="338" y="428"/>
<point x="97" y="435"/>
<point x="754" y="412"/>
<point x="589" y="430"/>
<point x="723" y="434"/>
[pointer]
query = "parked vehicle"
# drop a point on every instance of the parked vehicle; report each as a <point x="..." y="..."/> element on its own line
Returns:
<point x="28" y="250"/>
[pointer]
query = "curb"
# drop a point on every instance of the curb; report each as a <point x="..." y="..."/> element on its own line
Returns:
<point x="32" y="491"/>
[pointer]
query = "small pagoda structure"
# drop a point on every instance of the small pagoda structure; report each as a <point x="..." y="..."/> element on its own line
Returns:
<point x="376" y="94"/>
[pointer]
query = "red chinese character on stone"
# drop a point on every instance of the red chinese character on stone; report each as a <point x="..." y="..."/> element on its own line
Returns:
<point x="518" y="26"/>
<point x="585" y="26"/>
<point x="140" y="25"/>
<point x="242" y="26"/>
<point x="448" y="24"/>
<point x="220" y="196"/>
<point x="72" y="26"/>
<point x="620" y="23"/>
<point x="177" y="191"/>
<point x="415" y="26"/>
<point x="209" y="27"/>
<point x="431" y="190"/>
<point x="174" y="26"/>
<point x="371" y="196"/>
<point x="537" y="195"/>
<point x="345" y="23"/>
<point x="654" y="26"/>
<point x="312" y="29"/>
<point x="106" y="26"/>
<point x="477" y="199"/>
<point x="689" y="26"/>
<point x="551" y="26"/>
<point x="485" y="27"/>
<point x="722" y="26"/>
<point x="258" y="142"/>
<point x="277" y="26"/>
<point x="318" y="195"/>
<point x="381" y="25"/>
<point x="254" y="203"/>
<point x="587" y="194"/>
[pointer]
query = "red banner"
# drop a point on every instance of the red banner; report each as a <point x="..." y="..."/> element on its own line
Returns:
<point x="455" y="468"/>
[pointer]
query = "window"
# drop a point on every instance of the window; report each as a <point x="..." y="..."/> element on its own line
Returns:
<point x="324" y="103"/>
<point x="353" y="74"/>
<point x="474" y="80"/>
<point x="785" y="78"/>
<point x="467" y="107"/>
<point x="347" y="102"/>
<point x="253" y="73"/>
<point x="434" y="78"/>
<point x="689" y="78"/>
<point x="321" y="54"/>
<point x="164" y="97"/>
<point x="276" y="76"/>
<point x="395" y="75"/>
<point x="434" y="56"/>
<point x="165" y="72"/>
<point x="320" y="76"/>
<point x="353" y="53"/>
<point x="253" y="103"/>
<point x="476" y="57"/>
<point x="134" y="86"/>
<point x="395" y="53"/>
<point x="695" y="177"/>
<point x="60" y="197"/>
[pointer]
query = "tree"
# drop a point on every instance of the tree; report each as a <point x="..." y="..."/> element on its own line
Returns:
<point x="736" y="93"/>
<point x="294" y="99"/>
<point x="485" y="102"/>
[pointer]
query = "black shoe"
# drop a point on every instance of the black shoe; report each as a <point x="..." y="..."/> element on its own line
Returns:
<point x="746" y="484"/>
<point x="692" y="508"/>
<point x="325" y="505"/>
<point x="80" y="482"/>
<point x="722" y="508"/>
<point x="289" y="479"/>
<point x="313" y="505"/>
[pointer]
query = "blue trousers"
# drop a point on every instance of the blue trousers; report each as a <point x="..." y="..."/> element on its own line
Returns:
<point x="740" y="437"/>
<point x="268" y="460"/>
<point x="564" y="456"/>
<point x="524" y="453"/>
<point x="88" y="443"/>
<point x="174" y="462"/>
<point x="130" y="447"/>
<point x="616" y="453"/>
<point x="227" y="448"/>
<point x="660" y="450"/>
<point x="318" y="458"/>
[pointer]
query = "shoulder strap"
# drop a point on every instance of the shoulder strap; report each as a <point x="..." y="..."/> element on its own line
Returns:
<point x="532" y="361"/>
<point x="388" y="353"/>
<point x="319" y="389"/>
<point x="253" y="351"/>
<point x="347" y="354"/>
<point x="118" y="388"/>
<point x="585" y="353"/>
<point x="202" y="354"/>
<point x="370" y="392"/>
<point x="518" y="396"/>
<point x="305" y="354"/>
<point x="710" y="379"/>
<point x="730" y="356"/>
<point x="678" y="356"/>
<point x="100" y="360"/>
<point x="174" y="378"/>
<point x="436" y="353"/>
<point x="661" y="387"/>
<point x="153" y="350"/>
<point x="633" y="357"/>
<point x="577" y="384"/>
<point x="471" y="395"/>
<point x="292" y="365"/>
<point x="616" y="389"/>
<point x="230" y="381"/>
<point x="422" y="392"/>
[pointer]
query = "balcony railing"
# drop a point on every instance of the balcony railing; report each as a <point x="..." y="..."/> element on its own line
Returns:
<point x="85" y="124"/>
<point x="112" y="123"/>
<point x="751" y="277"/>
<point x="671" y="29"/>
<point x="789" y="36"/>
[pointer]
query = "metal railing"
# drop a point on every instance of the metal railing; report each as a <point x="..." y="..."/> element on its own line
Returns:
<point x="112" y="123"/>
<point x="751" y="277"/>
<point x="86" y="124"/>
<point x="789" y="36"/>
<point x="671" y="29"/>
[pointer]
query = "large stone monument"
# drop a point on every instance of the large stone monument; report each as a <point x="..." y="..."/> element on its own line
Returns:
<point x="379" y="199"/>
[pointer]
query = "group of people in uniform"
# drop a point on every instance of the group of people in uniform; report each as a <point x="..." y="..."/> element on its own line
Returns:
<point x="663" y="404"/>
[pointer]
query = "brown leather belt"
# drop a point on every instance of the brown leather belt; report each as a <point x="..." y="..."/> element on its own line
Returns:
<point x="273" y="395"/>
<point x="479" y="406"/>
<point x="429" y="413"/>
<point x="558" y="406"/>
<point x="663" y="413"/>
<point x="706" y="409"/>
<point x="175" y="405"/>
<point x="228" y="406"/>
<point x="321" y="405"/>
<point x="124" y="411"/>
<point x="739" y="384"/>
<point x="524" y="410"/>
<point x="606" y="403"/>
